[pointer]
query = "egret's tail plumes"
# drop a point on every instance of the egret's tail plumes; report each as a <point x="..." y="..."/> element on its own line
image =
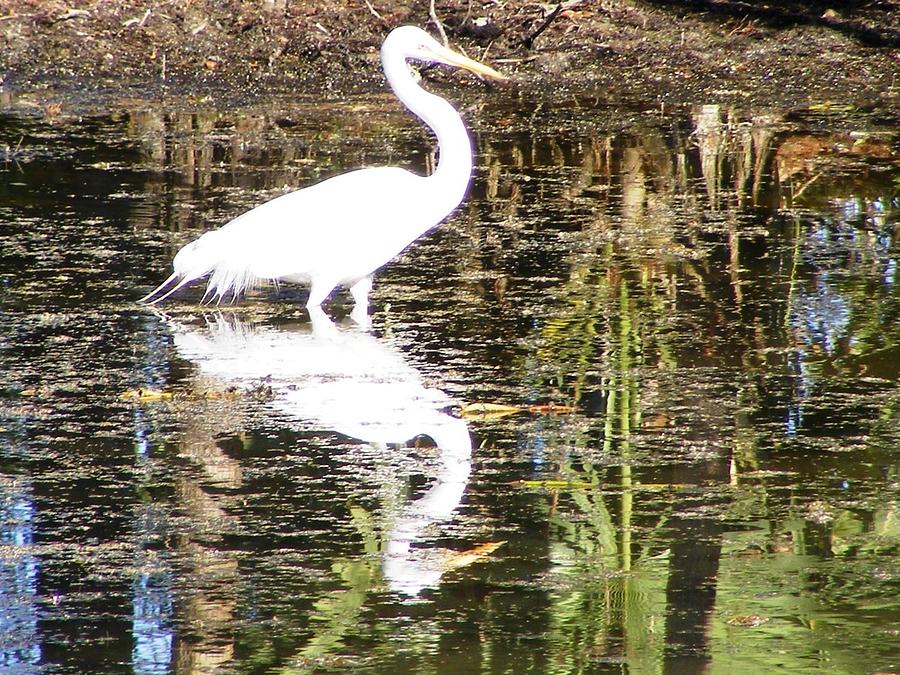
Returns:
<point x="149" y="299"/>
<point x="196" y="260"/>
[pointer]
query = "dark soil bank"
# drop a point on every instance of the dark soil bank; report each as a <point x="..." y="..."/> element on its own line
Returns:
<point x="747" y="51"/>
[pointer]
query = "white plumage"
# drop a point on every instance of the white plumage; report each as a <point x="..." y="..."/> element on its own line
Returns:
<point x="340" y="231"/>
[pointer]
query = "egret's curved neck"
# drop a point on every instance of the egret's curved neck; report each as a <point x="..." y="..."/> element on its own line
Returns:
<point x="454" y="169"/>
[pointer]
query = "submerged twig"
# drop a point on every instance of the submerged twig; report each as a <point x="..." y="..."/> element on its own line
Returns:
<point x="803" y="187"/>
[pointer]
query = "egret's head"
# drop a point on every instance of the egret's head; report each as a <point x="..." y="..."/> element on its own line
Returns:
<point x="414" y="43"/>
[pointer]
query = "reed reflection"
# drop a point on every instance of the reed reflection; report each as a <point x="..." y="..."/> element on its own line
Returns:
<point x="347" y="380"/>
<point x="20" y="644"/>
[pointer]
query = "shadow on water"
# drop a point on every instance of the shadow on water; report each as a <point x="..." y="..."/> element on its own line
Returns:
<point x="691" y="316"/>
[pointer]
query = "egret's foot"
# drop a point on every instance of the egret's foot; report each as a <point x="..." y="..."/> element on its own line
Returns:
<point x="322" y="326"/>
<point x="360" y="315"/>
<point x="360" y="291"/>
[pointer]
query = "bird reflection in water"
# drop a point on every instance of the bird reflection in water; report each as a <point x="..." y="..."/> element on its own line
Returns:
<point x="346" y="380"/>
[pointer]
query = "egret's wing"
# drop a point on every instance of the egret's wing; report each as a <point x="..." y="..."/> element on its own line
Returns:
<point x="311" y="231"/>
<point x="343" y="228"/>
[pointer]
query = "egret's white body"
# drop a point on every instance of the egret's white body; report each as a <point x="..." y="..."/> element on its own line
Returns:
<point x="340" y="231"/>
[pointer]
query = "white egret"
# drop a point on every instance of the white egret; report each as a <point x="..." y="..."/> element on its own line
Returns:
<point x="340" y="231"/>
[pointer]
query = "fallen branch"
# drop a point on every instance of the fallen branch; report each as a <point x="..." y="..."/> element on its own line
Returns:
<point x="528" y="42"/>
<point x="566" y="6"/>
<point x="437" y="22"/>
<point x="376" y="14"/>
<point x="72" y="14"/>
<point x="137" y="22"/>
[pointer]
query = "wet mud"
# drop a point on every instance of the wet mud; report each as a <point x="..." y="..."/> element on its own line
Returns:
<point x="234" y="53"/>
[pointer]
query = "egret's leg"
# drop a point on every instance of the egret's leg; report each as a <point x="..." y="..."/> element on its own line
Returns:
<point x="318" y="292"/>
<point x="360" y="315"/>
<point x="360" y="292"/>
<point x="321" y="324"/>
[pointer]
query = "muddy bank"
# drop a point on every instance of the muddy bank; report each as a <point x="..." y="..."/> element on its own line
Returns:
<point x="236" y="52"/>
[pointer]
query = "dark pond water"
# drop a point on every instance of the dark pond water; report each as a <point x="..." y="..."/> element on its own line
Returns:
<point x="694" y="313"/>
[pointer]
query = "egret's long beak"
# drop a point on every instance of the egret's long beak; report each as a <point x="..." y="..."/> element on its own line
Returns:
<point x="452" y="58"/>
